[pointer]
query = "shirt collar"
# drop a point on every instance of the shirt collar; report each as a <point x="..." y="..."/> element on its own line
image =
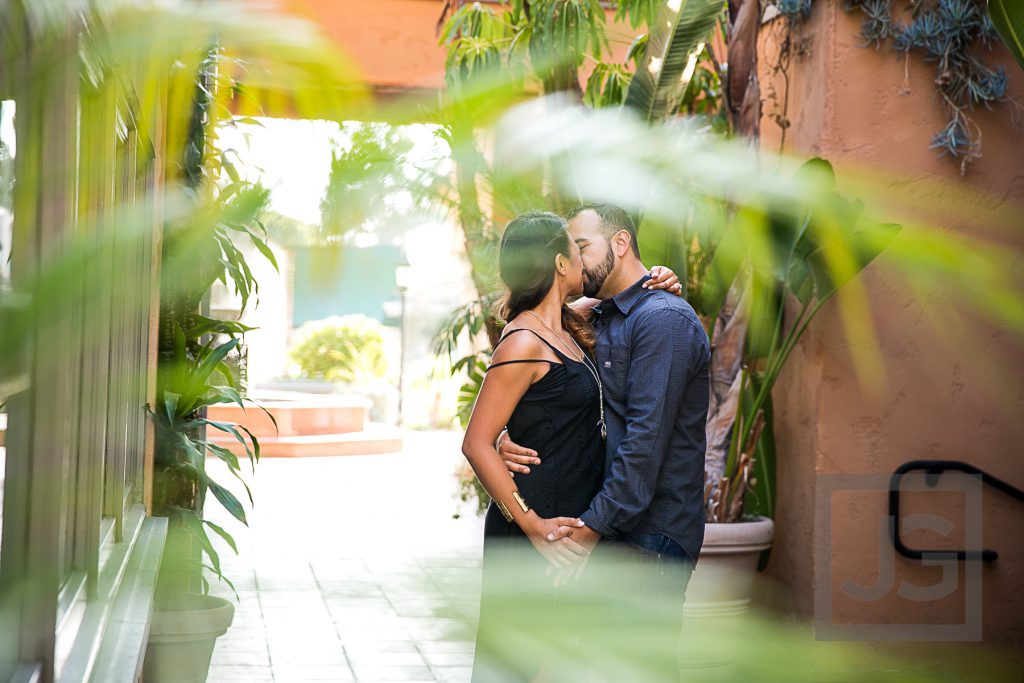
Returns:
<point x="627" y="298"/>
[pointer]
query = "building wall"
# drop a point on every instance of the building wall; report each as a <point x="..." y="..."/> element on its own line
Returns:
<point x="952" y="385"/>
<point x="394" y="43"/>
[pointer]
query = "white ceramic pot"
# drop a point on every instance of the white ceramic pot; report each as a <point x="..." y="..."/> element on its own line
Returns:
<point x="719" y="592"/>
<point x="181" y="639"/>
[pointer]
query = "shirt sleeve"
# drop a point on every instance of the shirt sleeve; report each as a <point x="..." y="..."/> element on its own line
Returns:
<point x="665" y="348"/>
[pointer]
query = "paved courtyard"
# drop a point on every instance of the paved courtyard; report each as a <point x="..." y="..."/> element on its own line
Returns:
<point x="353" y="569"/>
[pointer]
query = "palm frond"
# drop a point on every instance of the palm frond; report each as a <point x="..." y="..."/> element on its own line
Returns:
<point x="675" y="42"/>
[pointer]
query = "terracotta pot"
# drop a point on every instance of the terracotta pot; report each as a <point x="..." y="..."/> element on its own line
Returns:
<point x="181" y="639"/>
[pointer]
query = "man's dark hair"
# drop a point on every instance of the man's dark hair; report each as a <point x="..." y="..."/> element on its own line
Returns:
<point x="613" y="218"/>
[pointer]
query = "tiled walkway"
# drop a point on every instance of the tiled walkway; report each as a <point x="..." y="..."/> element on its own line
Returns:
<point x="354" y="569"/>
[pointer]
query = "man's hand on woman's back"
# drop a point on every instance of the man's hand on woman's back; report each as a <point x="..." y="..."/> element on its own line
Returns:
<point x="517" y="458"/>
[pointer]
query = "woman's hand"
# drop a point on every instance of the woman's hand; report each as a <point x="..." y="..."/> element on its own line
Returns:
<point x="560" y="553"/>
<point x="663" y="277"/>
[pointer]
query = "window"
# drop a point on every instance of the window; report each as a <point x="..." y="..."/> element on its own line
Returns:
<point x="78" y="300"/>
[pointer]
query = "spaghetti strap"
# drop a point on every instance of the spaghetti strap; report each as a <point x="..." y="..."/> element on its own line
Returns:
<point x="509" y="362"/>
<point x="535" y="333"/>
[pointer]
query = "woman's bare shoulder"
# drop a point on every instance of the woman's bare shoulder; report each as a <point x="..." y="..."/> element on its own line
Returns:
<point x="519" y="343"/>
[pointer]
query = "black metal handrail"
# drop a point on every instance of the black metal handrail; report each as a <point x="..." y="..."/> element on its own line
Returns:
<point x="932" y="470"/>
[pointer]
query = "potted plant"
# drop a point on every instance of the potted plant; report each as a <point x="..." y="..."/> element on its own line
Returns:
<point x="751" y="345"/>
<point x="187" y="620"/>
<point x="201" y="362"/>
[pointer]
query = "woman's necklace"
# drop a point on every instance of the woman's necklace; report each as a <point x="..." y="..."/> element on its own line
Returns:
<point x="559" y="338"/>
<point x="587" y="363"/>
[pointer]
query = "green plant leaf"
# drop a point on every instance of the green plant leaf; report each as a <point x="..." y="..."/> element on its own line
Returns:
<point x="231" y="460"/>
<point x="170" y="406"/>
<point x="205" y="325"/>
<point x="471" y="388"/>
<point x="226" y="455"/>
<point x="228" y="500"/>
<point x="673" y="45"/>
<point x="195" y="525"/>
<point x="230" y="429"/>
<point x="637" y="50"/>
<point x="255" y="456"/>
<point x="1008" y="18"/>
<point x="228" y="538"/>
<point x="727" y="260"/>
<point x="833" y="265"/>
<point x="228" y="395"/>
<point x="265" y="250"/>
<point x="197" y="386"/>
<point x="220" y="577"/>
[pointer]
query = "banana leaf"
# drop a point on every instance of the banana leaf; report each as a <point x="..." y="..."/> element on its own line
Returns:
<point x="1008" y="18"/>
<point x="675" y="41"/>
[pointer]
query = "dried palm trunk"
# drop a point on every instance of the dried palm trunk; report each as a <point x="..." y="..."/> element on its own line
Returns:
<point x="726" y="359"/>
<point x="723" y="501"/>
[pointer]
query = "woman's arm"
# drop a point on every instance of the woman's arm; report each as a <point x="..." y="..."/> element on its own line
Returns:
<point x="501" y="391"/>
<point x="662" y="277"/>
<point x="584" y="305"/>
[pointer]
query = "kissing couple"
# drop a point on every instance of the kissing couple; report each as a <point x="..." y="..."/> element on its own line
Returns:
<point x="595" y="401"/>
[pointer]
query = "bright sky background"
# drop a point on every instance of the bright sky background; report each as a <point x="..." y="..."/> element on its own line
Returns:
<point x="292" y="158"/>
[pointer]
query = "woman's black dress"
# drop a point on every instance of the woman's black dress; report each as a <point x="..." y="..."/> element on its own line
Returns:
<point x="558" y="418"/>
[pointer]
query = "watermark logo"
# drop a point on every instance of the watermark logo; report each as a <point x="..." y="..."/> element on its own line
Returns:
<point x="892" y="593"/>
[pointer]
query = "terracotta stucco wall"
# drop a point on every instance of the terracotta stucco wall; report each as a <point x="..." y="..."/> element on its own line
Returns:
<point x="394" y="43"/>
<point x="953" y="385"/>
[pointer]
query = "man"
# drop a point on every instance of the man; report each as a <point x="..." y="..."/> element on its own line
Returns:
<point x="653" y="357"/>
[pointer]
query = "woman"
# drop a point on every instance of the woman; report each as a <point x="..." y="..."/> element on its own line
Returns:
<point x="544" y="386"/>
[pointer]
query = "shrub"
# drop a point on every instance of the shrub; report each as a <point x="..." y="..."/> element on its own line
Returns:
<point x="340" y="349"/>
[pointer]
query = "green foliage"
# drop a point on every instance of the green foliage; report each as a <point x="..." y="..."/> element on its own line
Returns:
<point x="1007" y="17"/>
<point x="673" y="47"/>
<point x="561" y="34"/>
<point x="468" y="319"/>
<point x="365" y="177"/>
<point x="477" y="39"/>
<point x="286" y="230"/>
<point x="476" y="368"/>
<point x="638" y="12"/>
<point x="194" y="376"/>
<point x="200" y="358"/>
<point x="704" y="97"/>
<point x="340" y="349"/>
<point x="227" y="208"/>
<point x="470" y="489"/>
<point x="811" y="251"/>
<point x="606" y="86"/>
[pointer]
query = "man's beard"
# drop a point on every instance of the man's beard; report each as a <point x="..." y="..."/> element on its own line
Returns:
<point x="594" y="279"/>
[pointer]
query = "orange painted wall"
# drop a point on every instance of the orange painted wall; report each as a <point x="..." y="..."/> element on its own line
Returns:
<point x="395" y="43"/>
<point x="953" y="384"/>
<point x="392" y="41"/>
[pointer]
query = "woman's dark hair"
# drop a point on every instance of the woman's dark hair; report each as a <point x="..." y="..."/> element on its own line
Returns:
<point x="526" y="264"/>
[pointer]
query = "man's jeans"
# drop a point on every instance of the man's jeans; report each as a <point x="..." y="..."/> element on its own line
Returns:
<point x="652" y="581"/>
<point x="667" y="569"/>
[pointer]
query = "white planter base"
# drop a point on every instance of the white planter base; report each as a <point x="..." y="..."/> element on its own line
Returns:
<point x="181" y="640"/>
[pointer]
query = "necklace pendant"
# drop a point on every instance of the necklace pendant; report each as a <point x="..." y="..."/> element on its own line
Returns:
<point x="604" y="430"/>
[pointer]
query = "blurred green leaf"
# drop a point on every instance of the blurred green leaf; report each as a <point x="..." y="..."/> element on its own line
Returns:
<point x="1008" y="18"/>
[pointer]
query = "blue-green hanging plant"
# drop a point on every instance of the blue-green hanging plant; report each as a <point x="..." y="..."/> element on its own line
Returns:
<point x="954" y="35"/>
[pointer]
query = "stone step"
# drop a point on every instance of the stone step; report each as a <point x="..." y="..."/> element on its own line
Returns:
<point x="375" y="438"/>
<point x="303" y="416"/>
